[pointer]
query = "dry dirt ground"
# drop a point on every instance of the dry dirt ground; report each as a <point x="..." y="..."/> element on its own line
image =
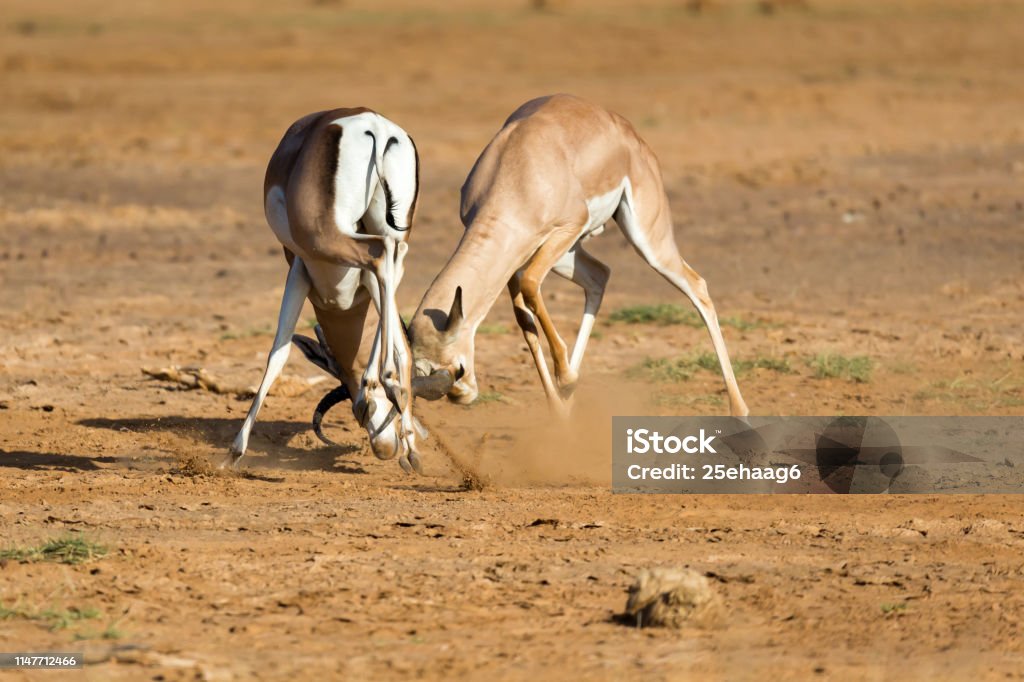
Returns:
<point x="846" y="175"/>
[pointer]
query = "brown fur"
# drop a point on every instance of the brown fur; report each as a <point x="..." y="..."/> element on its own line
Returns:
<point x="524" y="206"/>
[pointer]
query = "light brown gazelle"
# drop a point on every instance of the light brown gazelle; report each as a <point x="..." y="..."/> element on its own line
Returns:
<point x="340" y="193"/>
<point x="555" y="173"/>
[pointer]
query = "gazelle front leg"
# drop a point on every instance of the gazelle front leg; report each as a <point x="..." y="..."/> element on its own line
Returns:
<point x="295" y="291"/>
<point x="533" y="276"/>
<point x="390" y="365"/>
<point x="396" y="368"/>
<point x="528" y="324"/>
<point x="364" y="405"/>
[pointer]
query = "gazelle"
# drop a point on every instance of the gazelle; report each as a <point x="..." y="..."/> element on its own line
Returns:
<point x="555" y="173"/>
<point x="340" y="193"/>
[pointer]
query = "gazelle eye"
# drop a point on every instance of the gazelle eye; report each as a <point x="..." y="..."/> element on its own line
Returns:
<point x="460" y="373"/>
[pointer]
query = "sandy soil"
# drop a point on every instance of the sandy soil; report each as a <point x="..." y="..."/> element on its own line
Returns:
<point x="846" y="175"/>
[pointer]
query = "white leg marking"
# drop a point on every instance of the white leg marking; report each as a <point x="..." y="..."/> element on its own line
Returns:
<point x="592" y="276"/>
<point x="295" y="291"/>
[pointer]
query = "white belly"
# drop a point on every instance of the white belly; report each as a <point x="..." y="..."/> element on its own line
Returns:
<point x="601" y="208"/>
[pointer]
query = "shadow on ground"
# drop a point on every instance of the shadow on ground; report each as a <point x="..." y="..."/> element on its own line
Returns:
<point x="268" y="446"/>
<point x="51" y="461"/>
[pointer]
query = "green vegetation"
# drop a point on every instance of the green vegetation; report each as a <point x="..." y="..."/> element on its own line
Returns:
<point x="673" y="400"/>
<point x="665" y="314"/>
<point x="70" y="549"/>
<point x="894" y="607"/>
<point x="489" y="397"/>
<point x="683" y="368"/>
<point x="663" y="369"/>
<point x="978" y="393"/>
<point x="52" y="619"/>
<point x="780" y="365"/>
<point x="834" y="366"/>
<point x="662" y="313"/>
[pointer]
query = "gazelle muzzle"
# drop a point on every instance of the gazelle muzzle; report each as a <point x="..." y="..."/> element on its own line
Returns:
<point x="434" y="386"/>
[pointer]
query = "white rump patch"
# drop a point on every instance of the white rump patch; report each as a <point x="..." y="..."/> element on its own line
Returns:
<point x="602" y="207"/>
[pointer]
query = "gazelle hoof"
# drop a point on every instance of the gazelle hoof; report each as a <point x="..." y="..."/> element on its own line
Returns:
<point x="416" y="462"/>
<point x="406" y="465"/>
<point x="235" y="453"/>
<point x="230" y="463"/>
<point x="411" y="462"/>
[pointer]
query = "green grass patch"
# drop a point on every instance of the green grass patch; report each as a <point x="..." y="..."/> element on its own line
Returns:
<point x="489" y="397"/>
<point x="780" y="365"/>
<point x="683" y="368"/>
<point x="976" y="392"/>
<point x="53" y="619"/>
<point x="834" y="366"/>
<point x="69" y="549"/>
<point x="674" y="400"/>
<point x="665" y="314"/>
<point x="894" y="607"/>
<point x="743" y="325"/>
<point x="663" y="370"/>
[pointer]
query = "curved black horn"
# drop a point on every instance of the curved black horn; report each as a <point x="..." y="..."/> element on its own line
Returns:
<point x="455" y="315"/>
<point x="433" y="387"/>
<point x="339" y="394"/>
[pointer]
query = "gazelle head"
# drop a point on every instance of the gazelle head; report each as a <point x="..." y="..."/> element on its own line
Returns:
<point x="442" y="349"/>
<point x="371" y="406"/>
<point x="383" y="423"/>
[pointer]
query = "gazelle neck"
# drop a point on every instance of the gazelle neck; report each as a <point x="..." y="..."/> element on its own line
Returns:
<point x="472" y="267"/>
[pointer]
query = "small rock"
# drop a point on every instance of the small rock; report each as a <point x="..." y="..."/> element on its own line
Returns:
<point x="672" y="598"/>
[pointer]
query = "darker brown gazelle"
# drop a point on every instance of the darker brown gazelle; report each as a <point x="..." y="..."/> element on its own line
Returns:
<point x="556" y="172"/>
<point x="340" y="195"/>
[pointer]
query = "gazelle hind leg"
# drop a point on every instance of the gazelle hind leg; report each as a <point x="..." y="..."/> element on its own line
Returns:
<point x="591" y="275"/>
<point x="528" y="324"/>
<point x="398" y="367"/>
<point x="295" y="291"/>
<point x="657" y="246"/>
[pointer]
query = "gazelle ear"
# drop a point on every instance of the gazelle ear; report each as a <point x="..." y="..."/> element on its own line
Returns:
<point x="455" y="316"/>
